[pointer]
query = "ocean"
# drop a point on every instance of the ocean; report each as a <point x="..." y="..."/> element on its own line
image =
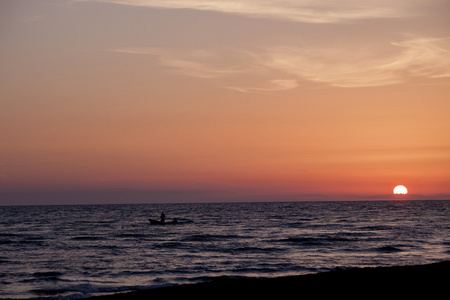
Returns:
<point x="72" y="252"/>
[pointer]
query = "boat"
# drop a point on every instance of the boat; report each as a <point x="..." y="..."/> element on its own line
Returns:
<point x="158" y="222"/>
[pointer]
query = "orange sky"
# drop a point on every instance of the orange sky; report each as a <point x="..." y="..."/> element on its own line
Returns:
<point x="258" y="98"/>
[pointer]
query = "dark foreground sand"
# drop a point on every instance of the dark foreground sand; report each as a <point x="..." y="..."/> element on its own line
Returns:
<point x="407" y="282"/>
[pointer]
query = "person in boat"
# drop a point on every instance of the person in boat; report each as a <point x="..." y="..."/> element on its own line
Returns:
<point x="163" y="217"/>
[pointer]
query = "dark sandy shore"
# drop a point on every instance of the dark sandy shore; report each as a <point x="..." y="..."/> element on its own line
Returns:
<point x="407" y="282"/>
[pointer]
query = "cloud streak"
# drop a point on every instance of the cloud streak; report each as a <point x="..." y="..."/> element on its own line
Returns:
<point x="427" y="58"/>
<point x="207" y="64"/>
<point x="325" y="11"/>
<point x="284" y="67"/>
<point x="271" y="86"/>
<point x="424" y="57"/>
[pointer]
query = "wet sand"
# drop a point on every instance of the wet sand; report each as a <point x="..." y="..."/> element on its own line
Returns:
<point x="405" y="282"/>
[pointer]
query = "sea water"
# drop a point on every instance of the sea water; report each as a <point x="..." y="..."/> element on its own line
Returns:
<point x="68" y="252"/>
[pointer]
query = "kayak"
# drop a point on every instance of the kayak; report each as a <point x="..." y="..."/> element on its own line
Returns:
<point x="157" y="222"/>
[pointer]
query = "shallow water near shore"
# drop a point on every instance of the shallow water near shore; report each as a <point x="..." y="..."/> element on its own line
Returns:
<point x="68" y="252"/>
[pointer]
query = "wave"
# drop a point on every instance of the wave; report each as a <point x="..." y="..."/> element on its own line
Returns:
<point x="316" y="240"/>
<point x="47" y="274"/>
<point x="87" y="238"/>
<point x="352" y="283"/>
<point x="131" y="235"/>
<point x="397" y="282"/>
<point x="376" y="228"/>
<point x="209" y="237"/>
<point x="259" y="249"/>
<point x="30" y="242"/>
<point x="168" y="245"/>
<point x="388" y="249"/>
<point x="6" y="242"/>
<point x="74" y="291"/>
<point x="9" y="235"/>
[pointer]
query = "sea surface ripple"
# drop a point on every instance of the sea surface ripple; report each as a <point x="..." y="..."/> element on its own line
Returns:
<point x="68" y="252"/>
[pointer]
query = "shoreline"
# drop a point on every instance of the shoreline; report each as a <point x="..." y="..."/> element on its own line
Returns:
<point x="399" y="282"/>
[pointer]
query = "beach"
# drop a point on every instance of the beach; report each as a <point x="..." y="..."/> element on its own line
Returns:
<point x="402" y="282"/>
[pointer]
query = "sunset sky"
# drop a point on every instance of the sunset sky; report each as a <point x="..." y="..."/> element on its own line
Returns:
<point x="191" y="100"/>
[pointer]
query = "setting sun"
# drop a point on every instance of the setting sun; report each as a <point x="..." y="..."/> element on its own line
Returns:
<point x="400" y="190"/>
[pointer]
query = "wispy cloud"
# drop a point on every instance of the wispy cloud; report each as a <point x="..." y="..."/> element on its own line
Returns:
<point x="213" y="63"/>
<point x="270" y="86"/>
<point x="337" y="68"/>
<point x="427" y="58"/>
<point x="324" y="11"/>
<point x="283" y="67"/>
<point x="423" y="57"/>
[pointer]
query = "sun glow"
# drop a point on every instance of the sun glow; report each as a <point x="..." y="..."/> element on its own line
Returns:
<point x="400" y="190"/>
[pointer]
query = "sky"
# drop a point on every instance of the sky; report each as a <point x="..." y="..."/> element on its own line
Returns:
<point x="196" y="100"/>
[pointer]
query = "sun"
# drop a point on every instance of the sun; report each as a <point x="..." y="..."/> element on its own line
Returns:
<point x="400" y="190"/>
